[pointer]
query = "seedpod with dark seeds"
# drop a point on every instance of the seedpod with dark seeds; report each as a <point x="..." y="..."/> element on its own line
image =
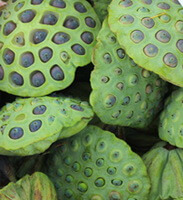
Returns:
<point x="43" y="42"/>
<point x="151" y="33"/>
<point x="164" y="167"/>
<point x="35" y="187"/>
<point x="94" y="164"/>
<point x="30" y="126"/>
<point x="122" y="93"/>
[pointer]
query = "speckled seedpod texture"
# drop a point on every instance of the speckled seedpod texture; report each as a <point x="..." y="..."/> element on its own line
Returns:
<point x="151" y="31"/>
<point x="34" y="187"/>
<point x="164" y="166"/>
<point x="122" y="92"/>
<point x="29" y="126"/>
<point x="95" y="165"/>
<point x="42" y="42"/>
<point x="171" y="119"/>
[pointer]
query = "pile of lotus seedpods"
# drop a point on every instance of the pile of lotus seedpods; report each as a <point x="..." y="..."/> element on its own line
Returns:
<point x="91" y="100"/>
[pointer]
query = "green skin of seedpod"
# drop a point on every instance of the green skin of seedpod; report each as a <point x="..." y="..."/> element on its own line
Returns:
<point x="34" y="187"/>
<point x="20" y="41"/>
<point x="96" y="165"/>
<point x="164" y="167"/>
<point x="122" y="93"/>
<point x="151" y="31"/>
<point x="100" y="7"/>
<point x="171" y="119"/>
<point x="62" y="117"/>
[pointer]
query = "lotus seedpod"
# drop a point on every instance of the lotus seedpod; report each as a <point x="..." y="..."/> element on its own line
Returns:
<point x="35" y="187"/>
<point x="43" y="42"/>
<point x="164" y="166"/>
<point x="171" y="119"/>
<point x="29" y="126"/>
<point x="151" y="31"/>
<point x="100" y="7"/>
<point x="96" y="165"/>
<point x="122" y="93"/>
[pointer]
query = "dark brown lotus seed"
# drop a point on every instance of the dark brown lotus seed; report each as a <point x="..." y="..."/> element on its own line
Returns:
<point x="9" y="27"/>
<point x="45" y="54"/>
<point x="78" y="49"/>
<point x="137" y="36"/>
<point x="126" y="3"/>
<point x="90" y="22"/>
<point x="80" y="7"/>
<point x="147" y="1"/>
<point x="87" y="37"/>
<point x="151" y="50"/>
<point x="57" y="73"/>
<point x="148" y="22"/>
<point x="58" y="3"/>
<point x="17" y="79"/>
<point x="1" y="73"/>
<point x="35" y="125"/>
<point x="39" y="36"/>
<point x="16" y="133"/>
<point x="163" y="36"/>
<point x="60" y="38"/>
<point x="37" y="79"/>
<point x="71" y="23"/>
<point x="180" y="45"/>
<point x="27" y="59"/>
<point x="126" y="19"/>
<point x="39" y="110"/>
<point x="170" y="60"/>
<point x="77" y="107"/>
<point x="164" y="6"/>
<point x="49" y="19"/>
<point x="121" y="53"/>
<point x="36" y="2"/>
<point x="27" y="16"/>
<point x="9" y="56"/>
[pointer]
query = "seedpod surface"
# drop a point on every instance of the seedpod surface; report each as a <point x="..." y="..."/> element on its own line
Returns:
<point x="122" y="92"/>
<point x="94" y="164"/>
<point x="34" y="187"/>
<point x="171" y="119"/>
<point x="43" y="42"/>
<point x="30" y="126"/>
<point x="151" y="31"/>
<point x="164" y="167"/>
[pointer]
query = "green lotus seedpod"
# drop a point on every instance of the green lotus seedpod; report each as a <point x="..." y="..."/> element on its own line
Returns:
<point x="95" y="165"/>
<point x="151" y="33"/>
<point x="122" y="93"/>
<point x="30" y="126"/>
<point x="171" y="119"/>
<point x="100" y="7"/>
<point x="164" y="166"/>
<point x="43" y="42"/>
<point x="35" y="187"/>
